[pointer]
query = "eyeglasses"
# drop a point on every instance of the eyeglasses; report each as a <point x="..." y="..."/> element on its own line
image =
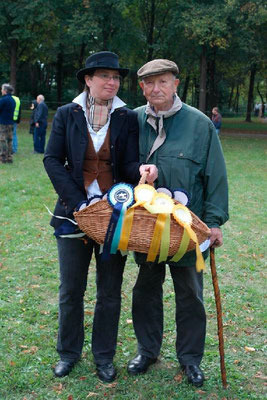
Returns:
<point x="107" y="77"/>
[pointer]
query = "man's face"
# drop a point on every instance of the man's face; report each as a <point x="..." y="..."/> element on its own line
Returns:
<point x="104" y="84"/>
<point x="3" y="91"/>
<point x="159" y="90"/>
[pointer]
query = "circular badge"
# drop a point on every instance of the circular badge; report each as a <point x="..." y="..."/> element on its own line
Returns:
<point x="182" y="214"/>
<point x="182" y="196"/>
<point x="121" y="193"/>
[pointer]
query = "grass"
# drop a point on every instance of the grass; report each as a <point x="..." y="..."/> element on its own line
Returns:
<point x="238" y="124"/>
<point x="29" y="285"/>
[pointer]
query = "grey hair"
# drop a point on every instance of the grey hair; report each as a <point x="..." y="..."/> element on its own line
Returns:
<point x="8" y="88"/>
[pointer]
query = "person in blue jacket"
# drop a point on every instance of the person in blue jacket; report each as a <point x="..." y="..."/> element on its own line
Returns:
<point x="7" y="107"/>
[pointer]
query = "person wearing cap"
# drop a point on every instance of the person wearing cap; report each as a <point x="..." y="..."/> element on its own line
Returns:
<point x="183" y="144"/>
<point x="93" y="145"/>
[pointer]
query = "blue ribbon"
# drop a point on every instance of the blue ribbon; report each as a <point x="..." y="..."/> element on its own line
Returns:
<point x="117" y="233"/>
<point x="112" y="227"/>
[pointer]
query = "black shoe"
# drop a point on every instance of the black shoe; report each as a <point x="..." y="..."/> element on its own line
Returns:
<point x="140" y="364"/>
<point x="106" y="372"/>
<point x="63" y="368"/>
<point x="194" y="374"/>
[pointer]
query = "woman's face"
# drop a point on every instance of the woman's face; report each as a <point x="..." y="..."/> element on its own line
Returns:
<point x="104" y="84"/>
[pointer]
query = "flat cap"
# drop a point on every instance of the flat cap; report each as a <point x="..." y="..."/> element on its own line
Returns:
<point x="157" y="67"/>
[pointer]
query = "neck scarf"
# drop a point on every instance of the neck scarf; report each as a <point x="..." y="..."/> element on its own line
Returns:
<point x="97" y="111"/>
<point x="156" y="121"/>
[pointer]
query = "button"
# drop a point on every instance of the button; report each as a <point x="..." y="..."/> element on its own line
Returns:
<point x="112" y="164"/>
<point x="111" y="146"/>
<point x="114" y="180"/>
<point x="181" y="154"/>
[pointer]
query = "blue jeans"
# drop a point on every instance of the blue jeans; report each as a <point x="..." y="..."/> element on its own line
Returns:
<point x="15" y="139"/>
<point x="74" y="260"/>
<point x="39" y="137"/>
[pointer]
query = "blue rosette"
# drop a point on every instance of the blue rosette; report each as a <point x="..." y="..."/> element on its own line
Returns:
<point x="120" y="197"/>
<point x="182" y="196"/>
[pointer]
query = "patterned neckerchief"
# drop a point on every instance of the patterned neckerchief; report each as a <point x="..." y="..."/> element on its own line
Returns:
<point x="97" y="111"/>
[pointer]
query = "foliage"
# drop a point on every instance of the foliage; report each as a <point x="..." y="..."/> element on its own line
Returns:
<point x="29" y="290"/>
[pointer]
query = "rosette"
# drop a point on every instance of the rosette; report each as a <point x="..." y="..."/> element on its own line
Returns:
<point x="182" y="196"/>
<point x="182" y="215"/>
<point x="143" y="194"/>
<point x="120" y="197"/>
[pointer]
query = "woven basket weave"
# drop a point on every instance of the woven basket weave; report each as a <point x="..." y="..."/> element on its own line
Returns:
<point x="94" y="220"/>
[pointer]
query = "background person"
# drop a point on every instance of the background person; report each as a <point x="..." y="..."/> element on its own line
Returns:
<point x="40" y="120"/>
<point x="182" y="142"/>
<point x="93" y="145"/>
<point x="216" y="119"/>
<point x="32" y="123"/>
<point x="16" y="119"/>
<point x="7" y="107"/>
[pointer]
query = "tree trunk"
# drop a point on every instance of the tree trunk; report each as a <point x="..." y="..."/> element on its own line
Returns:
<point x="231" y="96"/>
<point x="59" y="78"/>
<point x="150" y="37"/>
<point x="203" y="80"/>
<point x="186" y="85"/>
<point x="13" y="62"/>
<point x="250" y="92"/>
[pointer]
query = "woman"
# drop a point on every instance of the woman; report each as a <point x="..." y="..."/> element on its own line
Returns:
<point x="93" y="144"/>
<point x="216" y="119"/>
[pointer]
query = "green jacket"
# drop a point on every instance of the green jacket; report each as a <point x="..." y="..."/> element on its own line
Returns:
<point x="191" y="158"/>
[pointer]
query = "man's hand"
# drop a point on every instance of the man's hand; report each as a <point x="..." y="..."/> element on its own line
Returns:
<point x="216" y="238"/>
<point x="37" y="124"/>
<point x="152" y="172"/>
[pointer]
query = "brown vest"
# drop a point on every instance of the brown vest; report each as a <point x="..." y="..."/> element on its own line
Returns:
<point x="98" y="165"/>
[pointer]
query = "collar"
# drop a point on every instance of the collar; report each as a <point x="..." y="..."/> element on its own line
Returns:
<point x="81" y="100"/>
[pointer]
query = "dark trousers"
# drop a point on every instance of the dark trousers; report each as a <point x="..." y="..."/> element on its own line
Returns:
<point x="74" y="260"/>
<point x="190" y="313"/>
<point x="39" y="137"/>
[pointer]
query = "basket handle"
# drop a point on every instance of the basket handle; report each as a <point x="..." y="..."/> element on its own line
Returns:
<point x="143" y="179"/>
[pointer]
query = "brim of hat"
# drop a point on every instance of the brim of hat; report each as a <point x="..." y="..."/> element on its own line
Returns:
<point x="85" y="71"/>
<point x="157" y="73"/>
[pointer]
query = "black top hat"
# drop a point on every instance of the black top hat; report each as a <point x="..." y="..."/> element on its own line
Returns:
<point x="103" y="59"/>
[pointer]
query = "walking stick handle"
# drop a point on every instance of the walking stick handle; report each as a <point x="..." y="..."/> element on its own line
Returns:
<point x="219" y="315"/>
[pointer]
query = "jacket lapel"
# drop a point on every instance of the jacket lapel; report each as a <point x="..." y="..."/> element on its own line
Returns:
<point x="116" y="123"/>
<point x="78" y="116"/>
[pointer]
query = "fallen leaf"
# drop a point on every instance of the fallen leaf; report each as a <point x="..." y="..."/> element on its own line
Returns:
<point x="91" y="394"/>
<point x="259" y="375"/>
<point x="34" y="286"/>
<point x="236" y="362"/>
<point x="31" y="350"/>
<point x="82" y="378"/>
<point x="58" y="388"/>
<point x="88" y="312"/>
<point x="70" y="397"/>
<point x="178" y="378"/>
<point x="129" y="321"/>
<point x="249" y="349"/>
<point x="200" y="391"/>
<point x="12" y="363"/>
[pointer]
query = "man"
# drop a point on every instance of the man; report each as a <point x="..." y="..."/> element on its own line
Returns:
<point x="93" y="145"/>
<point x="16" y="119"/>
<point x="182" y="143"/>
<point x="7" y="107"/>
<point x="40" y="120"/>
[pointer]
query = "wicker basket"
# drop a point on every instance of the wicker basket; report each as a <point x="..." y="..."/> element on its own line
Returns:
<point x="94" y="220"/>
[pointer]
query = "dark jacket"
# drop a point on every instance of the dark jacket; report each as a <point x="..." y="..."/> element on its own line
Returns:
<point x="41" y="113"/>
<point x="66" y="149"/>
<point x="7" y="107"/>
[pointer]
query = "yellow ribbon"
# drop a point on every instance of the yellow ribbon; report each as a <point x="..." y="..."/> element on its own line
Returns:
<point x="165" y="240"/>
<point x="156" y="238"/>
<point x="182" y="248"/>
<point x="126" y="229"/>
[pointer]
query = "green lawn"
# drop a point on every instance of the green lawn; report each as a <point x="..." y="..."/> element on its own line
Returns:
<point x="238" y="124"/>
<point x="29" y="285"/>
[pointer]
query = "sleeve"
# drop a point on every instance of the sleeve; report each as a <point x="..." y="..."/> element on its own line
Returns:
<point x="215" y="211"/>
<point x="69" y="192"/>
<point x="37" y="113"/>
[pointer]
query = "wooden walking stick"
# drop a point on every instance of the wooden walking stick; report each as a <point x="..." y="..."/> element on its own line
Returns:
<point x="219" y="315"/>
